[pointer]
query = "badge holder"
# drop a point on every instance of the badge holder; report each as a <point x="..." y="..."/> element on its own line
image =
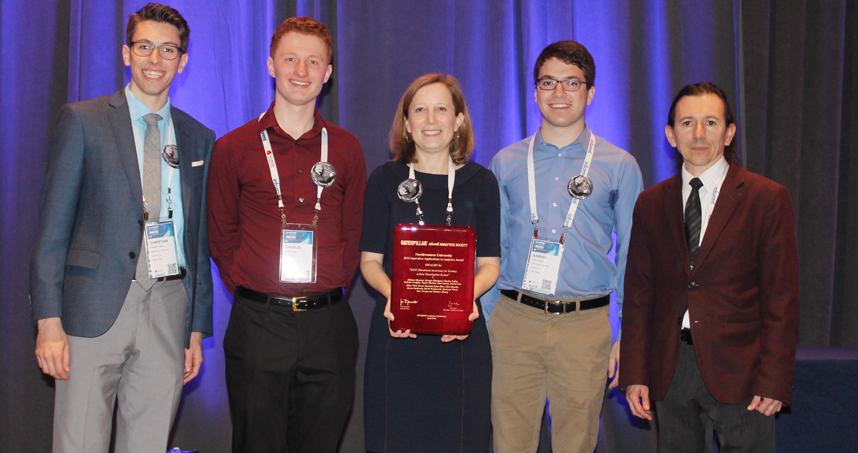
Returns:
<point x="543" y="266"/>
<point x="161" y="251"/>
<point x="298" y="252"/>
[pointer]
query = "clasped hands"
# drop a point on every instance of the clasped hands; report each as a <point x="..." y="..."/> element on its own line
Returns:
<point x="407" y="333"/>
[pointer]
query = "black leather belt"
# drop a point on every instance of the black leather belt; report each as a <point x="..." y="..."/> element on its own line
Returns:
<point x="182" y="274"/>
<point x="297" y="303"/>
<point x="556" y="306"/>
<point x="685" y="336"/>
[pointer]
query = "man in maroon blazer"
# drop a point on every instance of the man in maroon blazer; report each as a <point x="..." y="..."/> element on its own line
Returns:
<point x="710" y="322"/>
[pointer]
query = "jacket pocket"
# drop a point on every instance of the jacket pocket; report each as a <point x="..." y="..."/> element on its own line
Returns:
<point x="83" y="258"/>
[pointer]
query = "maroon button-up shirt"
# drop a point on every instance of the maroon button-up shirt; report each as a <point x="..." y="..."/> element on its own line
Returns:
<point x="243" y="215"/>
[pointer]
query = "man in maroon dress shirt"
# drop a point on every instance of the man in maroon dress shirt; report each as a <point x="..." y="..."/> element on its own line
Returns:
<point x="285" y="240"/>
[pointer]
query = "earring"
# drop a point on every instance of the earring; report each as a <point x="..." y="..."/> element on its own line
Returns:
<point x="456" y="136"/>
<point x="408" y="137"/>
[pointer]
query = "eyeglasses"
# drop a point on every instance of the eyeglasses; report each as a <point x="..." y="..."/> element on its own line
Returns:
<point x="568" y="84"/>
<point x="165" y="51"/>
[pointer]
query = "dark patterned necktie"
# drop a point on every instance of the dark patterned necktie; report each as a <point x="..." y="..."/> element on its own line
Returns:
<point x="693" y="219"/>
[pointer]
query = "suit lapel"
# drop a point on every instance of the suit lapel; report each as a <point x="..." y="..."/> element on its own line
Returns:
<point x="185" y="145"/>
<point x="675" y="220"/>
<point x="184" y="142"/>
<point x="120" y="120"/>
<point x="728" y="200"/>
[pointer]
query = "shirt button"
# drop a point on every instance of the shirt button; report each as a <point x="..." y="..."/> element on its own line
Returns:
<point x="301" y="200"/>
<point x="553" y="231"/>
<point x="692" y="285"/>
<point x="559" y="154"/>
<point x="297" y="142"/>
<point x="132" y="255"/>
<point x="300" y="171"/>
<point x="556" y="178"/>
<point x="554" y="204"/>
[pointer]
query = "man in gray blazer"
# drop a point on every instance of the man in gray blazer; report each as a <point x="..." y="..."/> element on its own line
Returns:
<point x="121" y="284"/>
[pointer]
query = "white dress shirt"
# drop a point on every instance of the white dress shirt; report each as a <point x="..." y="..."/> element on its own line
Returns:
<point x="712" y="179"/>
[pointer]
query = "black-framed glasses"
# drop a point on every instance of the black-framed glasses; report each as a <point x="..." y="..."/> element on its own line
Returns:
<point x="165" y="51"/>
<point x="568" y="84"/>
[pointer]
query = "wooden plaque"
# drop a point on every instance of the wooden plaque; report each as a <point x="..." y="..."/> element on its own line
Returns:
<point x="432" y="290"/>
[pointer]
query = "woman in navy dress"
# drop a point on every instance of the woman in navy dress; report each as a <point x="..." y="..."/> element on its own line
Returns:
<point x="425" y="393"/>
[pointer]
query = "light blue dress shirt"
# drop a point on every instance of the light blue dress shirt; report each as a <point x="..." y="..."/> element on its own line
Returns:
<point x="585" y="270"/>
<point x="138" y="110"/>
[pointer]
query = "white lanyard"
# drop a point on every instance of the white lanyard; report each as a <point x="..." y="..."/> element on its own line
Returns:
<point x="275" y="176"/>
<point x="170" y="139"/>
<point x="451" y="181"/>
<point x="171" y="133"/>
<point x="324" y="159"/>
<point x="531" y="186"/>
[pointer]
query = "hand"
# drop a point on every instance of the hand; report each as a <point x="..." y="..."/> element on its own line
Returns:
<point x="52" y="349"/>
<point x="398" y="333"/>
<point x="765" y="406"/>
<point x="614" y="364"/>
<point x="472" y="317"/>
<point x="638" y="398"/>
<point x="193" y="357"/>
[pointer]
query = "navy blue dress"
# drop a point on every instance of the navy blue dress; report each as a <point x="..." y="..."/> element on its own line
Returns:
<point x="422" y="395"/>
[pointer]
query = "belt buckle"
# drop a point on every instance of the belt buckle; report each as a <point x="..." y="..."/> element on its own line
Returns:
<point x="295" y="304"/>
<point x="576" y="304"/>
<point x="561" y="304"/>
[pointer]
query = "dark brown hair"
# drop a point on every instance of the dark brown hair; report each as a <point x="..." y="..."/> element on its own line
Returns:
<point x="403" y="148"/>
<point x="569" y="52"/>
<point x="159" y="13"/>
<point x="701" y="89"/>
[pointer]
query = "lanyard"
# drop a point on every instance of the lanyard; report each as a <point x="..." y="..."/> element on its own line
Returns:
<point x="451" y="181"/>
<point x="531" y="187"/>
<point x="275" y="176"/>
<point x="171" y="140"/>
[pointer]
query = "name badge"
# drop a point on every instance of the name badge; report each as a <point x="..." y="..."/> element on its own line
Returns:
<point x="298" y="254"/>
<point x="543" y="266"/>
<point x="161" y="254"/>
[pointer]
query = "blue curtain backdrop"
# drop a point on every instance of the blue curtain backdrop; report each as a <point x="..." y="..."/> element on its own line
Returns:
<point x="788" y="66"/>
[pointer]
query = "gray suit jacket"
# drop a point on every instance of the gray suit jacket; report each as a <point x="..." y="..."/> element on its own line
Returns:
<point x="91" y="225"/>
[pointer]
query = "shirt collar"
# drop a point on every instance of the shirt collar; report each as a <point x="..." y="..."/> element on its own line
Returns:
<point x="138" y="109"/>
<point x="268" y="121"/>
<point x="582" y="141"/>
<point x="711" y="177"/>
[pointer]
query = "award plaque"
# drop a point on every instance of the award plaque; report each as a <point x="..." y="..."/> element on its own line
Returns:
<point x="432" y="286"/>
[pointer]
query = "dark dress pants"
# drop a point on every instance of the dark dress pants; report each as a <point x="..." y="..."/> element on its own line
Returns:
<point x="290" y="376"/>
<point x="688" y="407"/>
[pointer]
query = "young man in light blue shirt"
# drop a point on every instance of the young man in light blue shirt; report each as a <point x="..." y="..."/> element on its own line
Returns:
<point x="550" y="332"/>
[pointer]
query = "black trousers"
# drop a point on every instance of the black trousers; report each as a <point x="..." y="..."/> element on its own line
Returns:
<point x="290" y="376"/>
<point x="688" y="407"/>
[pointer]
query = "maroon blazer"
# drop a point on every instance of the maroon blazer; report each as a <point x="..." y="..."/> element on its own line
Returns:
<point x="742" y="295"/>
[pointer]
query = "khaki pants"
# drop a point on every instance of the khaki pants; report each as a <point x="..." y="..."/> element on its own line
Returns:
<point x="560" y="357"/>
